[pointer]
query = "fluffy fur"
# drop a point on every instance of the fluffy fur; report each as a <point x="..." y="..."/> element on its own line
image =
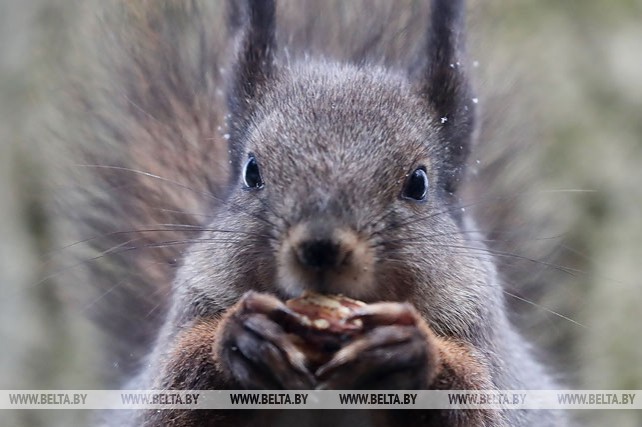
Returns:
<point x="338" y="107"/>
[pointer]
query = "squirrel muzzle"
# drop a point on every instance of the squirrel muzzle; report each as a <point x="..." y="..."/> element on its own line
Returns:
<point x="325" y="259"/>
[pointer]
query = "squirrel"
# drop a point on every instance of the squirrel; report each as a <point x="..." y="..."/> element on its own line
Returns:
<point x="235" y="156"/>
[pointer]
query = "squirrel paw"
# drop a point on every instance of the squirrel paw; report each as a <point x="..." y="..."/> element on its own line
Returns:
<point x="396" y="352"/>
<point x="255" y="349"/>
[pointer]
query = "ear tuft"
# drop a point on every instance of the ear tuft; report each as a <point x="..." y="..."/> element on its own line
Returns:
<point x="253" y="23"/>
<point x="446" y="88"/>
<point x="256" y="21"/>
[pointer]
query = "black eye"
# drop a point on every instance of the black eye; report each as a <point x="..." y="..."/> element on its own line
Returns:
<point x="251" y="174"/>
<point x="416" y="187"/>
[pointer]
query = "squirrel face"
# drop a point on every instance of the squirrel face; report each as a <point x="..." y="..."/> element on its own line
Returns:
<point x="338" y="190"/>
<point x="344" y="180"/>
<point x="336" y="149"/>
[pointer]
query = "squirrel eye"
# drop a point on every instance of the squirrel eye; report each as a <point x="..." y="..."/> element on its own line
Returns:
<point x="251" y="174"/>
<point x="416" y="187"/>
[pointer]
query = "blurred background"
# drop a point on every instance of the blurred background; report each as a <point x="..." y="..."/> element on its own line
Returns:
<point x="560" y="85"/>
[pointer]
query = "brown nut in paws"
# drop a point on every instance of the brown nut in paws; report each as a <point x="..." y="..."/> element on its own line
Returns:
<point x="324" y="325"/>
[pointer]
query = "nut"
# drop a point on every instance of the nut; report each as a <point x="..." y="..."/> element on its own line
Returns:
<point x="327" y="312"/>
<point x="323" y="326"/>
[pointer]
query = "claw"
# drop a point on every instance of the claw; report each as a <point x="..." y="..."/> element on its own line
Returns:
<point x="270" y="306"/>
<point x="386" y="313"/>
<point x="258" y="349"/>
<point x="381" y="337"/>
<point x="391" y="357"/>
<point x="273" y="334"/>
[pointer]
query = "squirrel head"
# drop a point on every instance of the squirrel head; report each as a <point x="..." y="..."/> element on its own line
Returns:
<point x="344" y="177"/>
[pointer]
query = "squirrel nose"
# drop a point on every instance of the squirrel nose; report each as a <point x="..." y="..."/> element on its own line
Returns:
<point x="321" y="254"/>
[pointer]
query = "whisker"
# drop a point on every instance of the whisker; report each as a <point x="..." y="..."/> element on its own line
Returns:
<point x="182" y="212"/>
<point x="95" y="301"/>
<point x="69" y="268"/>
<point x="191" y="228"/>
<point x="481" y="201"/>
<point x="466" y="249"/>
<point x="573" y="272"/>
<point x="178" y="184"/>
<point x="423" y="238"/>
<point x="404" y="264"/>
<point x="141" y="109"/>
<point x="541" y="307"/>
<point x="118" y="250"/>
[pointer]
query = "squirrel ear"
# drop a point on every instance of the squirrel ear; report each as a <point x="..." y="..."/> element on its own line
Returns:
<point x="256" y="20"/>
<point x="446" y="88"/>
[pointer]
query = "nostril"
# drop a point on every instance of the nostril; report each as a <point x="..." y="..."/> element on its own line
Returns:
<point x="320" y="254"/>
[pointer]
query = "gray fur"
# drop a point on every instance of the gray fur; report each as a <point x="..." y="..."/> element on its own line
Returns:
<point x="337" y="123"/>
